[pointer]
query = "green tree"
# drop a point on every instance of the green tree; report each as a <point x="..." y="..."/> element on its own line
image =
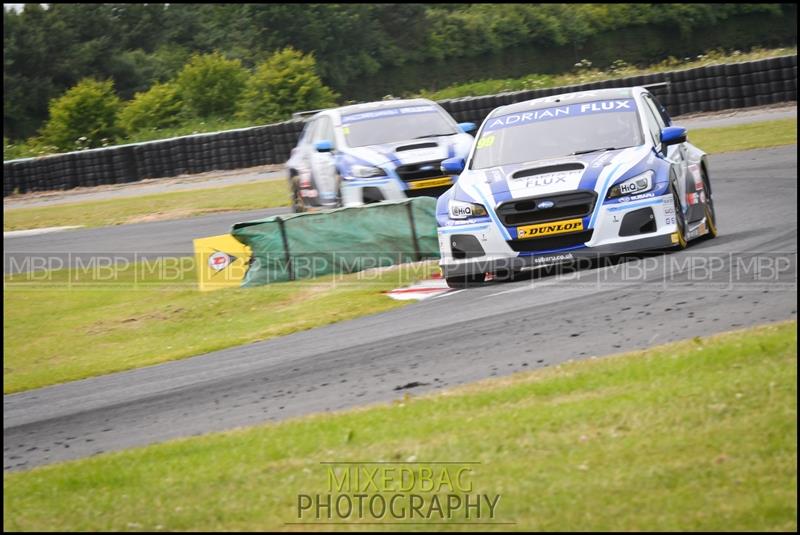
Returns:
<point x="211" y="85"/>
<point x="285" y="83"/>
<point x="88" y="110"/>
<point x="158" y="107"/>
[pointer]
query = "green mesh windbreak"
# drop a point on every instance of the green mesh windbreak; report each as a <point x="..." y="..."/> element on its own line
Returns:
<point x="345" y="240"/>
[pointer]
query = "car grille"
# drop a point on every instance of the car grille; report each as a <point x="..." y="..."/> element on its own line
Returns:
<point x="551" y="242"/>
<point x="415" y="171"/>
<point x="427" y="192"/>
<point x="565" y="206"/>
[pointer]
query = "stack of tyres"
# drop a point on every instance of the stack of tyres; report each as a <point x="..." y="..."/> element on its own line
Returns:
<point x="717" y="88"/>
<point x="88" y="169"/>
<point x="57" y="176"/>
<point x="177" y="157"/>
<point x="33" y="175"/>
<point x="153" y="156"/>
<point x="229" y="150"/>
<point x="63" y="171"/>
<point x="126" y="162"/>
<point x="234" y="148"/>
<point x="246" y="155"/>
<point x="259" y="151"/>
<point x="115" y="165"/>
<point x="165" y="166"/>
<point x="192" y="150"/>
<point x="206" y="152"/>
<point x="732" y="76"/>
<point x="108" y="174"/>
<point x="49" y="173"/>
<point x="98" y="163"/>
<point x="140" y="153"/>
<point x="263" y="142"/>
<point x="788" y="68"/>
<point x="10" y="180"/>
<point x="47" y="180"/>
<point x="284" y="140"/>
<point x="218" y="152"/>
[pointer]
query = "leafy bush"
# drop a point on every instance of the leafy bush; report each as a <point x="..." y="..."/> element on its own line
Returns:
<point x="157" y="108"/>
<point x="211" y="85"/>
<point x="87" y="110"/>
<point x="285" y="83"/>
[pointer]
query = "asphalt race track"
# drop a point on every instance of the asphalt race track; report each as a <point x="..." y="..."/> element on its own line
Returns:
<point x="746" y="276"/>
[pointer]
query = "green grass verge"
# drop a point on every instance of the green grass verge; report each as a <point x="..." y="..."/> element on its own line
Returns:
<point x="747" y="136"/>
<point x="163" y="206"/>
<point x="698" y="435"/>
<point x="275" y="193"/>
<point x="62" y="326"/>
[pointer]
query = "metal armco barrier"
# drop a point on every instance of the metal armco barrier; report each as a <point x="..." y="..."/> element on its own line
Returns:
<point x="711" y="88"/>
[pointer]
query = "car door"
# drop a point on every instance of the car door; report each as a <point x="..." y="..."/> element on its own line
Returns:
<point x="301" y="154"/>
<point x="675" y="155"/>
<point x="323" y="164"/>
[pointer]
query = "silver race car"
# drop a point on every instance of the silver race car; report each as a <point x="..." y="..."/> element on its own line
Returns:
<point x="581" y="174"/>
<point x="387" y="150"/>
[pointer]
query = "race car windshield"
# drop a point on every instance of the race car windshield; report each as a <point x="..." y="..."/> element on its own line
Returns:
<point x="557" y="131"/>
<point x="395" y="125"/>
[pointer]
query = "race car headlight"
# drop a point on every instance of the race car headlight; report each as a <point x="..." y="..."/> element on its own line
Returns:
<point x="464" y="210"/>
<point x="637" y="184"/>
<point x="366" y="171"/>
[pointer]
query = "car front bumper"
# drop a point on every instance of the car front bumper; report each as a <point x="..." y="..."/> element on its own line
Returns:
<point x="491" y="243"/>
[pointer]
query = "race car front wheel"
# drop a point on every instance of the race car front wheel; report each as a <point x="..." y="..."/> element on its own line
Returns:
<point x="465" y="282"/>
<point x="680" y="219"/>
<point x="711" y="215"/>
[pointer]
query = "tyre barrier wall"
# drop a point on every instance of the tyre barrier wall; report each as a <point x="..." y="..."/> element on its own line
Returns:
<point x="702" y="89"/>
<point x="344" y="240"/>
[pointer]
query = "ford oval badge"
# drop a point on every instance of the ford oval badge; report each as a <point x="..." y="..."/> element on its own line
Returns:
<point x="545" y="204"/>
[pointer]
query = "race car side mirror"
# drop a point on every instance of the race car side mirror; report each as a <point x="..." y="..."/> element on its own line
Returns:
<point x="323" y="145"/>
<point x="452" y="166"/>
<point x="672" y="135"/>
<point x="467" y="127"/>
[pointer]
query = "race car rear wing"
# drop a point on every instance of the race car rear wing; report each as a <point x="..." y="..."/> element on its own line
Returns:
<point x="657" y="84"/>
<point x="306" y="114"/>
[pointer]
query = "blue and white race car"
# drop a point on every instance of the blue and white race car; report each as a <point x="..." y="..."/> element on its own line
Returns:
<point x="364" y="153"/>
<point x="570" y="176"/>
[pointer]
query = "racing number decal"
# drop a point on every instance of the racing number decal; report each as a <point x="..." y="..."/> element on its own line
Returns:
<point x="486" y="141"/>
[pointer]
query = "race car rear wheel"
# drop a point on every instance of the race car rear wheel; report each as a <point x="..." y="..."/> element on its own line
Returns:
<point x="297" y="200"/>
<point x="680" y="219"/>
<point x="465" y="282"/>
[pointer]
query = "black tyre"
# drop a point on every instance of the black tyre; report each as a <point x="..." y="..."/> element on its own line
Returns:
<point x="298" y="205"/>
<point x="711" y="215"/>
<point x="339" y="200"/>
<point x="465" y="282"/>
